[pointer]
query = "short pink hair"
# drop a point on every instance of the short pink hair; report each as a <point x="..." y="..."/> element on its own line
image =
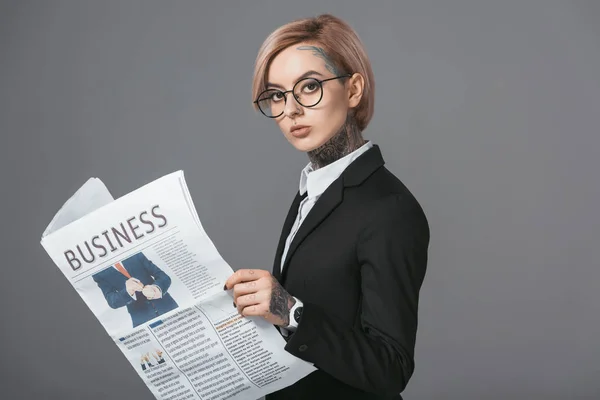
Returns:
<point x="341" y="44"/>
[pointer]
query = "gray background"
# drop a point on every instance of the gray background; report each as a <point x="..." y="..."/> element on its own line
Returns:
<point x="487" y="110"/>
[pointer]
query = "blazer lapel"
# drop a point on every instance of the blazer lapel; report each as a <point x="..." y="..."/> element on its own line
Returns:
<point x="355" y="174"/>
<point x="287" y="227"/>
<point x="328" y="201"/>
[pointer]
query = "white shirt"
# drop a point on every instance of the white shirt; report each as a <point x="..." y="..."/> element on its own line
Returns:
<point x="315" y="182"/>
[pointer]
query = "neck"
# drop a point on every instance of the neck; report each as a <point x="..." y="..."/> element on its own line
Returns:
<point x="348" y="139"/>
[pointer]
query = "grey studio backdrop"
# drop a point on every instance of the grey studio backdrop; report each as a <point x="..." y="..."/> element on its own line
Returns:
<point x="487" y="110"/>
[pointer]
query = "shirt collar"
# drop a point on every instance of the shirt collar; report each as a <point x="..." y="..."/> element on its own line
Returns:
<point x="315" y="182"/>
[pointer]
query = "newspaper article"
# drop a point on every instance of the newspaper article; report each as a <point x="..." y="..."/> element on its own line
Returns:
<point x="151" y="275"/>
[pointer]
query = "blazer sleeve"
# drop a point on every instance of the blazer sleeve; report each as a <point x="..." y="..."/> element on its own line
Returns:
<point x="115" y="297"/>
<point x="377" y="354"/>
<point x="161" y="279"/>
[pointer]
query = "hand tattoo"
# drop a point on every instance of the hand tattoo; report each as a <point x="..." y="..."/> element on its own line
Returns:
<point x="281" y="302"/>
<point x="348" y="139"/>
<point x="319" y="52"/>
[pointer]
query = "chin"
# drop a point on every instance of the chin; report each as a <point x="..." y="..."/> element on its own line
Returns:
<point x="306" y="144"/>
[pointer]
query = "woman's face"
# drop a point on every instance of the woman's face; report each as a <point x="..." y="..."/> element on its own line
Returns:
<point x="322" y="121"/>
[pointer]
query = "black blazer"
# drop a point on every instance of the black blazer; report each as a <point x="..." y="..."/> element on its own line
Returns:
<point x="357" y="263"/>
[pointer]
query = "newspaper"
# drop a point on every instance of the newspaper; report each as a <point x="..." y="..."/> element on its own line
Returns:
<point x="151" y="275"/>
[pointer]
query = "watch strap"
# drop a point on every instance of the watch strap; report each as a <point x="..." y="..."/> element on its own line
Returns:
<point x="293" y="324"/>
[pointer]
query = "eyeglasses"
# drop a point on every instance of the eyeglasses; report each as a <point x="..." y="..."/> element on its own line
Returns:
<point x="308" y="92"/>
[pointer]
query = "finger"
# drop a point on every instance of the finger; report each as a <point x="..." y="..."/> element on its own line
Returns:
<point x="245" y="275"/>
<point x="255" y="310"/>
<point x="252" y="299"/>
<point x="243" y="288"/>
<point x="234" y="279"/>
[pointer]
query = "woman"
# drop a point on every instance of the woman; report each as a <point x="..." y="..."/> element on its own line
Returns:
<point x="353" y="251"/>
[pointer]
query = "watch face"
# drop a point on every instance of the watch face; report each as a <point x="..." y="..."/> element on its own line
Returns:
<point x="298" y="314"/>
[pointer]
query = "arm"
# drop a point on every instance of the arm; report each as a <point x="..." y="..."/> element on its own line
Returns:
<point x="115" y="298"/>
<point x="161" y="280"/>
<point x="377" y="354"/>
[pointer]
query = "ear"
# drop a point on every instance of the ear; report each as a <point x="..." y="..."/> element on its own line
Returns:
<point x="356" y="85"/>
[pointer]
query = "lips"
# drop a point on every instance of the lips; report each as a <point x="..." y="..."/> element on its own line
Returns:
<point x="300" y="130"/>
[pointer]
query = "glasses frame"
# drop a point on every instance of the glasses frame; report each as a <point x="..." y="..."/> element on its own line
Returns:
<point x="285" y="92"/>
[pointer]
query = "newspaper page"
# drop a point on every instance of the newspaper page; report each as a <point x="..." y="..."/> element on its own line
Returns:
<point x="151" y="275"/>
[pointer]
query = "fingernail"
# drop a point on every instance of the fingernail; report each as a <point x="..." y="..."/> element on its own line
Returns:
<point x="234" y="304"/>
<point x="225" y="287"/>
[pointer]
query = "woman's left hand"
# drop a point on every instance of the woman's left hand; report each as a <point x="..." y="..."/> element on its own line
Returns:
<point x="257" y="293"/>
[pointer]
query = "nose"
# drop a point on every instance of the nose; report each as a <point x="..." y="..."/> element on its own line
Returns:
<point x="292" y="107"/>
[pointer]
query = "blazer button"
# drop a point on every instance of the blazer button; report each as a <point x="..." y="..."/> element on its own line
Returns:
<point x="303" y="347"/>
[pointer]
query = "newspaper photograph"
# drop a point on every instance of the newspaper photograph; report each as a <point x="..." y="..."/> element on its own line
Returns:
<point x="153" y="278"/>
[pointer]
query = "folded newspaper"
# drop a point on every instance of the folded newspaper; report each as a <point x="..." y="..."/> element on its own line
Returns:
<point x="151" y="275"/>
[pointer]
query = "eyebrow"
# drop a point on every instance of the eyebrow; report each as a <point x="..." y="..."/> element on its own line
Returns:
<point x="304" y="75"/>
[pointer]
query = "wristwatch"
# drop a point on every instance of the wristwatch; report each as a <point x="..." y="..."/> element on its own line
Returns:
<point x="296" y="313"/>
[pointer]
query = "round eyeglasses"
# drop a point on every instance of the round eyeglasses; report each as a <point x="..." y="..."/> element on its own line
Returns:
<point x="308" y="92"/>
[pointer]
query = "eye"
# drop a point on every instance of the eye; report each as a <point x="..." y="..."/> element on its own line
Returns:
<point x="276" y="96"/>
<point x="310" y="87"/>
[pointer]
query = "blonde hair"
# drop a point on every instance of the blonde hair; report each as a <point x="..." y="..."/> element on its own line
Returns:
<point x="341" y="44"/>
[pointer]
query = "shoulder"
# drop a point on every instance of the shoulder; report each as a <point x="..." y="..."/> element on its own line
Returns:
<point x="386" y="202"/>
<point x="383" y="189"/>
<point x="396" y="212"/>
<point x="102" y="275"/>
<point x="134" y="260"/>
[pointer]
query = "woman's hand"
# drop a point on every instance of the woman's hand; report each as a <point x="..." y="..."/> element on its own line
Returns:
<point x="257" y="293"/>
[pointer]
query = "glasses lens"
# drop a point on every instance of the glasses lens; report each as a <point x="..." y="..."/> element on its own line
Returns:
<point x="308" y="92"/>
<point x="271" y="102"/>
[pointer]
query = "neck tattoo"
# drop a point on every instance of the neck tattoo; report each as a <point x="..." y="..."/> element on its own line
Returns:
<point x="348" y="139"/>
